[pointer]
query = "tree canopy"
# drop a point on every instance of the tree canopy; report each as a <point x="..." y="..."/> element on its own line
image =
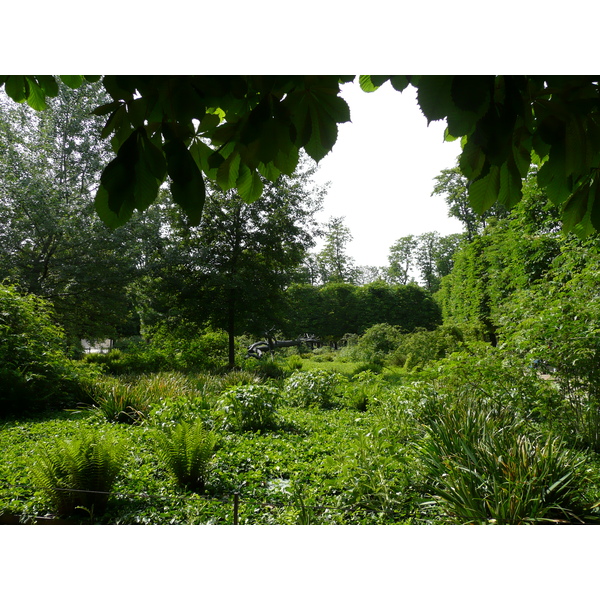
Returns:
<point x="233" y="129"/>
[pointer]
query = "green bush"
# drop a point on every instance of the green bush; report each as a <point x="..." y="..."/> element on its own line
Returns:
<point x="77" y="475"/>
<point x="249" y="407"/>
<point x="35" y="373"/>
<point x="294" y="362"/>
<point x="312" y="388"/>
<point x="187" y="451"/>
<point x="376" y="344"/>
<point x="363" y="389"/>
<point x="265" y="368"/>
<point x="183" y="349"/>
<point x="492" y="376"/>
<point x="419" y="348"/>
<point x="555" y="331"/>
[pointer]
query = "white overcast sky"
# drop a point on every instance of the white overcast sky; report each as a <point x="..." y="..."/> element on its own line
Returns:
<point x="381" y="171"/>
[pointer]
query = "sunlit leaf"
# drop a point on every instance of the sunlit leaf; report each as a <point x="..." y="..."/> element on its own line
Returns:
<point x="73" y="81"/>
<point x="35" y="97"/>
<point x="249" y="184"/>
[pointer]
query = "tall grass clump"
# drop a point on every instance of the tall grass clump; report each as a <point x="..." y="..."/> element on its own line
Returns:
<point x="77" y="475"/>
<point x="133" y="400"/>
<point x="187" y="451"/>
<point x="120" y="401"/>
<point x="483" y="469"/>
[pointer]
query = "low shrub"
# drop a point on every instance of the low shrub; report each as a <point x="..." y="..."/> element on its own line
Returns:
<point x="77" y="475"/>
<point x="375" y="345"/>
<point x="294" y="362"/>
<point x="249" y="407"/>
<point x="421" y="347"/>
<point x="265" y="369"/>
<point x="362" y="389"/>
<point x="187" y="451"/>
<point x="312" y="388"/>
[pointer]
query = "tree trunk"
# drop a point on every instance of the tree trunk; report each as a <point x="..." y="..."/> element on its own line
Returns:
<point x="231" y="327"/>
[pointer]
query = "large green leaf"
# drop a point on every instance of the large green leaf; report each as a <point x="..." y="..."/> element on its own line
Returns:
<point x="187" y="184"/>
<point x="552" y="177"/>
<point x="370" y="83"/>
<point x="484" y="191"/>
<point x="315" y="112"/>
<point x="443" y="97"/>
<point x="576" y="208"/>
<point x="227" y="173"/>
<point x="111" y="218"/>
<point x="73" y="81"/>
<point x="435" y="100"/>
<point x="16" y="88"/>
<point x="48" y="85"/>
<point x="472" y="159"/>
<point x="36" y="98"/>
<point x="249" y="184"/>
<point x="399" y="82"/>
<point x="509" y="193"/>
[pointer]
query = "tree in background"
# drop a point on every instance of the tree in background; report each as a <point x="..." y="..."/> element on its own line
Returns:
<point x="366" y="274"/>
<point x="52" y="242"/>
<point x="335" y="266"/>
<point x="231" y="270"/>
<point x="452" y="185"/>
<point x="433" y="257"/>
<point x="401" y="259"/>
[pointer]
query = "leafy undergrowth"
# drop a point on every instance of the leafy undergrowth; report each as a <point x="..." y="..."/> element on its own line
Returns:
<point x="374" y="449"/>
<point x="296" y="473"/>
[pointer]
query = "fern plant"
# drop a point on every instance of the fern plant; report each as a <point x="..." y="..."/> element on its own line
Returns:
<point x="187" y="451"/>
<point x="77" y="475"/>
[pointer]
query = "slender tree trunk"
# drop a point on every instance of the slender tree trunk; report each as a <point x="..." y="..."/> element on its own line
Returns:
<point x="231" y="327"/>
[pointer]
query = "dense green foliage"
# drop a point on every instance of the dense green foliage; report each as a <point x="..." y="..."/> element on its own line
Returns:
<point x="235" y="129"/>
<point x="459" y="446"/>
<point x="187" y="451"/>
<point x="52" y="243"/>
<point x="336" y="309"/>
<point x="35" y="372"/>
